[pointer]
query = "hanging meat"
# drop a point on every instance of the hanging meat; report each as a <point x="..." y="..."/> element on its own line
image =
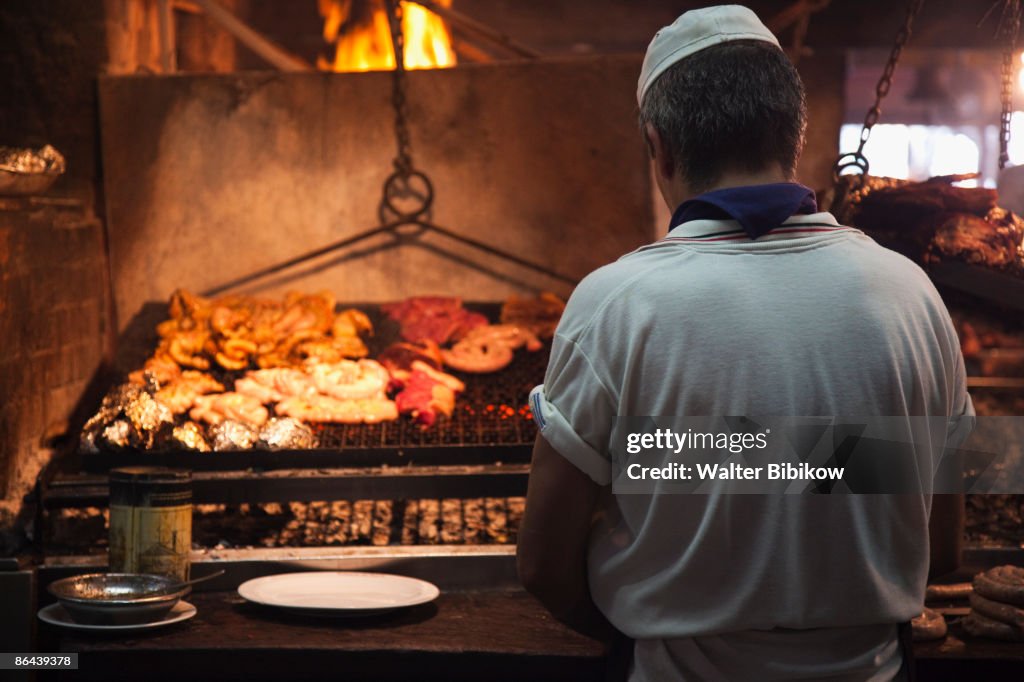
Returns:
<point x="933" y="221"/>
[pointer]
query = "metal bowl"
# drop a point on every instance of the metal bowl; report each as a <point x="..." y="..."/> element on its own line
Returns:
<point x="29" y="171"/>
<point x="19" y="184"/>
<point x="117" y="598"/>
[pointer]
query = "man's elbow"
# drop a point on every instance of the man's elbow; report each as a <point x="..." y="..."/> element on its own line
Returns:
<point x="556" y="590"/>
<point x="532" y="575"/>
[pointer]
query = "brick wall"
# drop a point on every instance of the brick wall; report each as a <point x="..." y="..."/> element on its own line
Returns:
<point x="53" y="326"/>
<point x="51" y="52"/>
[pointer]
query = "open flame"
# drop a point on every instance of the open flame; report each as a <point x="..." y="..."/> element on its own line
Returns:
<point x="359" y="31"/>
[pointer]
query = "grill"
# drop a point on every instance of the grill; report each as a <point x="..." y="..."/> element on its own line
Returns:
<point x="481" y="451"/>
<point x="448" y="521"/>
<point x="491" y="423"/>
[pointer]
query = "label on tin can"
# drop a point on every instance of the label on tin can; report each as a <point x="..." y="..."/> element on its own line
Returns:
<point x="150" y="521"/>
<point x="151" y="540"/>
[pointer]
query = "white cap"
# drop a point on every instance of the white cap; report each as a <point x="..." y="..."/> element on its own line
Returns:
<point x="695" y="30"/>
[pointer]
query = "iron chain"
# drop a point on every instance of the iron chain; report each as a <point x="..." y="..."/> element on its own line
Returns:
<point x="857" y="159"/>
<point x="403" y="162"/>
<point x="408" y="193"/>
<point x="885" y="81"/>
<point x="1010" y="26"/>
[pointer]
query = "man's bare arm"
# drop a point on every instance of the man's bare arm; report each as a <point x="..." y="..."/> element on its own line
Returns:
<point x="945" y="534"/>
<point x="552" y="552"/>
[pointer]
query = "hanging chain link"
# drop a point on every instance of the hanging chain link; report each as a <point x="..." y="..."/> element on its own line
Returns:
<point x="1010" y="27"/>
<point x="408" y="193"/>
<point x="857" y="158"/>
<point x="403" y="162"/>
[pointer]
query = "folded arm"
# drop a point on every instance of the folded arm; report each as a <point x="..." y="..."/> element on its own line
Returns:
<point x="552" y="552"/>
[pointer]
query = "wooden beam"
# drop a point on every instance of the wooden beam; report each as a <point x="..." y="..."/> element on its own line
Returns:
<point x="186" y="6"/>
<point x="467" y="50"/>
<point x="168" y="44"/>
<point x="473" y="27"/>
<point x="262" y="46"/>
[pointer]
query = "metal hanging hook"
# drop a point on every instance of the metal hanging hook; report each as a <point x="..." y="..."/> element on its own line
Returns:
<point x="857" y="159"/>
<point x="408" y="196"/>
<point x="406" y="185"/>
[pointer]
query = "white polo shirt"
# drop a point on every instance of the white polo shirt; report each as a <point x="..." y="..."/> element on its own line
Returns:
<point x="813" y="318"/>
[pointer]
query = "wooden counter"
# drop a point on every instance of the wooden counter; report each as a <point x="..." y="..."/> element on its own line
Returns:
<point x="961" y="657"/>
<point x="469" y="635"/>
<point x="492" y="635"/>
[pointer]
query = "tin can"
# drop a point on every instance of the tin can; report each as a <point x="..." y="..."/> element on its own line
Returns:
<point x="150" y="521"/>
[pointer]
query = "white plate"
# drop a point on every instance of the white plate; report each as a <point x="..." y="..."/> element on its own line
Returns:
<point x="338" y="593"/>
<point x="54" y="614"/>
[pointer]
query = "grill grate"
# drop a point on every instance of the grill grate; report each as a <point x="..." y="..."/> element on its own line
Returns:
<point x="492" y="411"/>
<point x="491" y="423"/>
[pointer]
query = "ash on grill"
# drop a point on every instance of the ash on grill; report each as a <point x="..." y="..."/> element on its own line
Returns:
<point x="448" y="521"/>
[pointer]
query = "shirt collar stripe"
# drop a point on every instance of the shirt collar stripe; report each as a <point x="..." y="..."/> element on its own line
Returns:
<point x="698" y="229"/>
<point x="721" y="236"/>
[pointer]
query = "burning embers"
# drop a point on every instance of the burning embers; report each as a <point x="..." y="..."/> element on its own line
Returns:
<point x="360" y="34"/>
<point x="446" y="521"/>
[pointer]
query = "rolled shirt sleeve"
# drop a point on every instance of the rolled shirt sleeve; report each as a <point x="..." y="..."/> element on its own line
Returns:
<point x="575" y="411"/>
<point x="962" y="418"/>
<point x="961" y="423"/>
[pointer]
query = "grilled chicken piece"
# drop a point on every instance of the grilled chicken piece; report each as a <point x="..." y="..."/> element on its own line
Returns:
<point x="321" y="408"/>
<point x="350" y="380"/>
<point x="273" y="385"/>
<point x="180" y="394"/>
<point x="214" y="409"/>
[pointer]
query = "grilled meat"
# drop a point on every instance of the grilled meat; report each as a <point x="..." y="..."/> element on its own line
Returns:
<point x="322" y="408"/>
<point x="435" y="318"/>
<point x="216" y="408"/>
<point x="993" y="241"/>
<point x="350" y="380"/>
<point x="489" y="348"/>
<point x="272" y="385"/>
<point x="539" y="315"/>
<point x="180" y="393"/>
<point x="426" y="392"/>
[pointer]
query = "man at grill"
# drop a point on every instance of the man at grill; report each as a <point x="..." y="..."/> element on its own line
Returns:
<point x="756" y="303"/>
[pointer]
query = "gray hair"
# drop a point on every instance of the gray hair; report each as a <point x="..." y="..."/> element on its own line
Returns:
<point x="739" y="105"/>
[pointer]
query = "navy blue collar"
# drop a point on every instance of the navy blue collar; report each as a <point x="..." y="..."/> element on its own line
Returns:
<point x="757" y="208"/>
